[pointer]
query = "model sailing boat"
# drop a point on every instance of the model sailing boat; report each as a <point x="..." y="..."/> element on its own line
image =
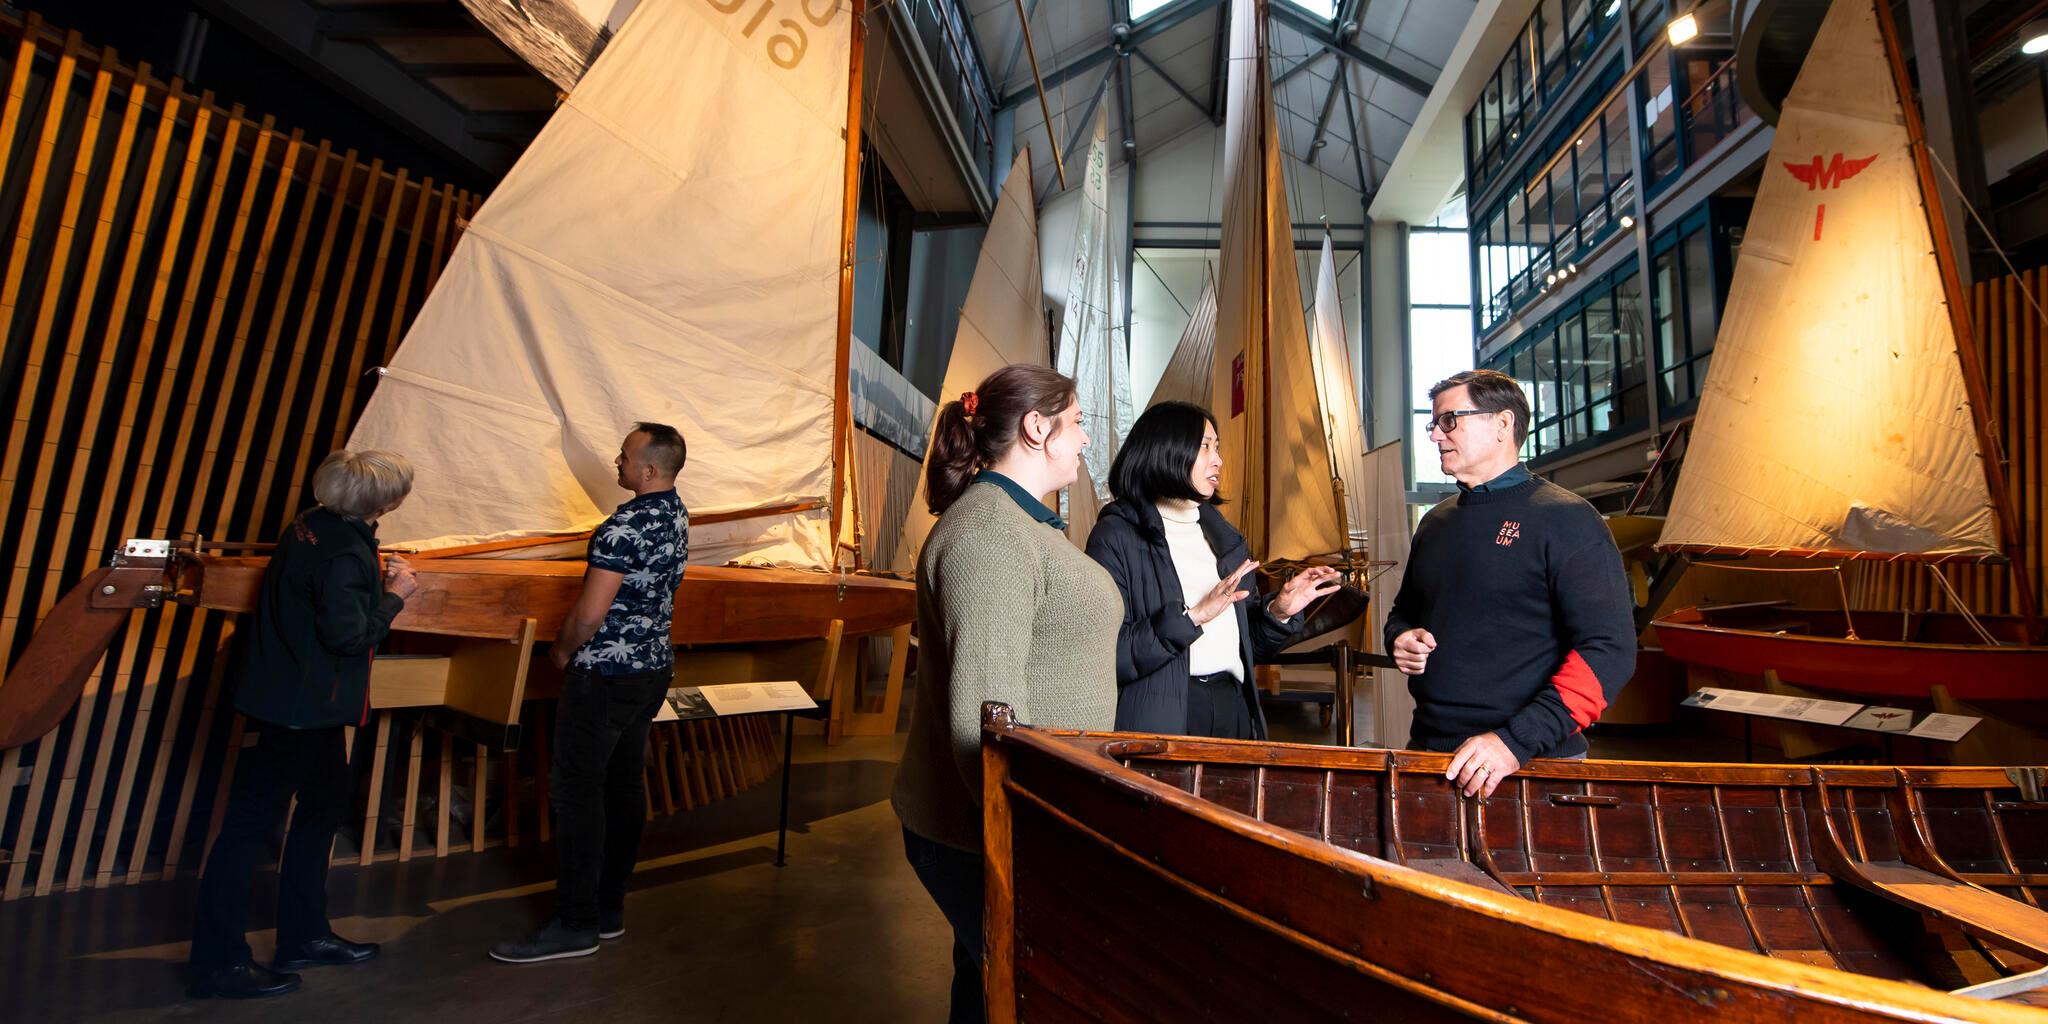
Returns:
<point x="685" y="218"/>
<point x="1279" y="470"/>
<point x="1844" y="416"/>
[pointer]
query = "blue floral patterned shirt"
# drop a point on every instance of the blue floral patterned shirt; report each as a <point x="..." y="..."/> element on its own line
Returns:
<point x="646" y="541"/>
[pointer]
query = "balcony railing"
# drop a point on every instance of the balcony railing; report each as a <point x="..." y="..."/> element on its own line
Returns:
<point x="942" y="31"/>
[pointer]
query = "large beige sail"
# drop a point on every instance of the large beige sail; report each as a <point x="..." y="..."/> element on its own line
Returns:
<point x="1343" y="423"/>
<point x="678" y="222"/>
<point x="1192" y="364"/>
<point x="1276" y="464"/>
<point x="1002" y="321"/>
<point x="1835" y="415"/>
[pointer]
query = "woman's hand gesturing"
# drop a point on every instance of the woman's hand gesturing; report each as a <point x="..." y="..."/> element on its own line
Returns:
<point x="1222" y="595"/>
<point x="1307" y="585"/>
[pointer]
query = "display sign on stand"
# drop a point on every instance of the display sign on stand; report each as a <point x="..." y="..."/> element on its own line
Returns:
<point x="1885" y="721"/>
<point x="728" y="700"/>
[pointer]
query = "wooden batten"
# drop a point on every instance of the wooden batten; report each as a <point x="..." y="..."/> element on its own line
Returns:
<point x="251" y="272"/>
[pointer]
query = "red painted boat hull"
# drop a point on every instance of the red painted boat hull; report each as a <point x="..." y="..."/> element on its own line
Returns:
<point x="1743" y="641"/>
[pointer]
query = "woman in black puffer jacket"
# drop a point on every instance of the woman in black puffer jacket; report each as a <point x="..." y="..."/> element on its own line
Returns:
<point x="1194" y="620"/>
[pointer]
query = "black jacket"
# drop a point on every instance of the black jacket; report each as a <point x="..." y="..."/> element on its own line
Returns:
<point x="1152" y="647"/>
<point x="320" y="615"/>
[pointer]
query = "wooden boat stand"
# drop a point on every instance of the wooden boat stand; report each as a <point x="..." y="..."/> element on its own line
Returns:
<point x="1138" y="877"/>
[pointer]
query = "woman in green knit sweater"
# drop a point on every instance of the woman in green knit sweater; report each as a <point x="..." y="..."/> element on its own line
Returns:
<point x="1007" y="610"/>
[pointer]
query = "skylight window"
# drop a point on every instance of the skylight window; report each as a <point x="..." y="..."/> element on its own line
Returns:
<point x="1324" y="9"/>
<point x="1145" y="8"/>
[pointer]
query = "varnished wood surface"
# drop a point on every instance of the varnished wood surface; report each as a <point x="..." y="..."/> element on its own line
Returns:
<point x="715" y="604"/>
<point x="1136" y="858"/>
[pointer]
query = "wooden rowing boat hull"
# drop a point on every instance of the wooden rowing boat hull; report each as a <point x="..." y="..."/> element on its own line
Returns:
<point x="485" y="598"/>
<point x="1161" y="878"/>
<point x="1808" y="648"/>
<point x="715" y="604"/>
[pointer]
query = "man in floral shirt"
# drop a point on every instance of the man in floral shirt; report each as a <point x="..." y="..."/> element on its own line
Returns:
<point x="618" y="663"/>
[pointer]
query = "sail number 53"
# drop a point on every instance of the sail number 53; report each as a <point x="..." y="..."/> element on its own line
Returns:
<point x="785" y="48"/>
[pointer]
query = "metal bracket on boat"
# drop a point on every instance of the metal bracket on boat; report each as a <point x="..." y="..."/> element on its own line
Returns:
<point x="137" y="576"/>
<point x="2031" y="782"/>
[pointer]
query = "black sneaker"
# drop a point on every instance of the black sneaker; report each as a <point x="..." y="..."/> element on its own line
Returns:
<point x="611" y="923"/>
<point x="554" y="941"/>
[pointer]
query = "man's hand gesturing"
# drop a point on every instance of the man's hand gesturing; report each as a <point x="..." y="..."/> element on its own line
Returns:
<point x="1411" y="651"/>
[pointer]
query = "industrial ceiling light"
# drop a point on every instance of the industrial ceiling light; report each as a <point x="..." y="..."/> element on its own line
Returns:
<point x="1682" y="29"/>
<point x="1627" y="222"/>
<point x="2034" y="36"/>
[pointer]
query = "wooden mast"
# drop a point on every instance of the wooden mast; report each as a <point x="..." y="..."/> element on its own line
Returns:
<point x="1988" y="446"/>
<point x="842" y="352"/>
<point x="1263" y="421"/>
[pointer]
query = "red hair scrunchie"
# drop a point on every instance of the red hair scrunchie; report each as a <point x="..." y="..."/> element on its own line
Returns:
<point x="969" y="402"/>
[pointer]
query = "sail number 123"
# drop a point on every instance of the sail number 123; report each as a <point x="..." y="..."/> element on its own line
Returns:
<point x="785" y="48"/>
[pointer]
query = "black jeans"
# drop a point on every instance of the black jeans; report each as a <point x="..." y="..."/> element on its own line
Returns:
<point x="1216" y="707"/>
<point x="954" y="878"/>
<point x="312" y="763"/>
<point x="599" y="787"/>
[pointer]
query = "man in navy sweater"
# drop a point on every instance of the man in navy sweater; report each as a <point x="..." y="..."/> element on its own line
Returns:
<point x="1514" y="621"/>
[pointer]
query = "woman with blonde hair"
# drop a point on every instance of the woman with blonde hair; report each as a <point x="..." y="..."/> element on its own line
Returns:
<point x="302" y="678"/>
<point x="1007" y="610"/>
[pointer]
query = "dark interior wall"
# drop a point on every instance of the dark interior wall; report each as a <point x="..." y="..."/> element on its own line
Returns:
<point x="239" y="69"/>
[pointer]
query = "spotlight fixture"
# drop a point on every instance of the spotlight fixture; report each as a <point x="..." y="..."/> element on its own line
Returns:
<point x="1549" y="279"/>
<point x="1574" y="268"/>
<point x="1612" y="9"/>
<point x="1627" y="222"/>
<point x="2034" y="37"/>
<point x="1682" y="29"/>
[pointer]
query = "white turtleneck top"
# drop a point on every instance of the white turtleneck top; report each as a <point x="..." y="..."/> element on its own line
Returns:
<point x="1217" y="649"/>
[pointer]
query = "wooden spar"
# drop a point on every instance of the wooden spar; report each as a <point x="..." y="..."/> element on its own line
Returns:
<point x="1262" y="89"/>
<point x="1052" y="138"/>
<point x="1988" y="446"/>
<point x="842" y="351"/>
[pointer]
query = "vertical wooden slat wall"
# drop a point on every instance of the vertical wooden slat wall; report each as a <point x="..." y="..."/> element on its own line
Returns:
<point x="190" y="298"/>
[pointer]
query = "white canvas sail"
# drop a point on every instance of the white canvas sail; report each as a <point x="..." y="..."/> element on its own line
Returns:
<point x="1088" y="335"/>
<point x="1276" y="463"/>
<point x="1835" y="416"/>
<point x="1343" y="426"/>
<point x="677" y="223"/>
<point x="1002" y="321"/>
<point x="1192" y="364"/>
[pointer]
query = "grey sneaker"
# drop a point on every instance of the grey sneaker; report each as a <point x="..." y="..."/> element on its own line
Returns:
<point x="611" y="923"/>
<point x="554" y="941"/>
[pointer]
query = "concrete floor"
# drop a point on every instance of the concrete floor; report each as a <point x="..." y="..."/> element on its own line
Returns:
<point x="715" y="932"/>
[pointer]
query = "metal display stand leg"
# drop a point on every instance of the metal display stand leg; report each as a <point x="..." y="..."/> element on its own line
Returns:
<point x="782" y="827"/>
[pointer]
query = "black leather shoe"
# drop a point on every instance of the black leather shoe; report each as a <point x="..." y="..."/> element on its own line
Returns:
<point x="323" y="952"/>
<point x="611" y="923"/>
<point x="245" y="980"/>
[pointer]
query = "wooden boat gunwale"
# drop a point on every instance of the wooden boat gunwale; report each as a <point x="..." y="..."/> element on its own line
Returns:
<point x="1673" y="974"/>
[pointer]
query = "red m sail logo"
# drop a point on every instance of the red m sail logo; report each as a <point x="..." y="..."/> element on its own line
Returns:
<point x="1826" y="175"/>
<point x="1830" y="174"/>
